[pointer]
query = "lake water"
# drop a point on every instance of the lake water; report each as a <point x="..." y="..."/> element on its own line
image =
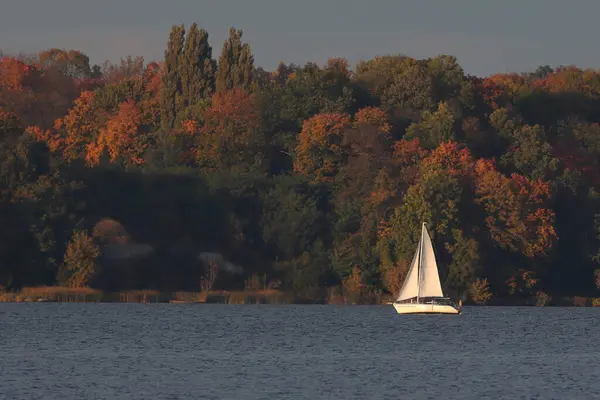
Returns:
<point x="245" y="352"/>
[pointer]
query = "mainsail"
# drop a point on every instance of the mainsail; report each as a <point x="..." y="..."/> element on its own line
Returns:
<point x="422" y="279"/>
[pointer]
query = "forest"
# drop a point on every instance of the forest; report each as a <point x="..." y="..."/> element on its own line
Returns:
<point x="203" y="171"/>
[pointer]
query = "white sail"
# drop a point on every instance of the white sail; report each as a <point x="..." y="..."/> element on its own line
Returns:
<point x="410" y="288"/>
<point x="430" y="285"/>
<point x="423" y="282"/>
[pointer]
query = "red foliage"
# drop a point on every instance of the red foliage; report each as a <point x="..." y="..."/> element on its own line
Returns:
<point x="153" y="77"/>
<point x="577" y="158"/>
<point x="233" y="109"/>
<point x="500" y="90"/>
<point x="408" y="152"/>
<point x="230" y="125"/>
<point x="36" y="96"/>
<point x="517" y="218"/>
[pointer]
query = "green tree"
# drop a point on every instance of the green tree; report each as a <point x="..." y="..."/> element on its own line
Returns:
<point x="197" y="71"/>
<point x="434" y="128"/>
<point x="465" y="264"/>
<point x="171" y="88"/>
<point x="236" y="63"/>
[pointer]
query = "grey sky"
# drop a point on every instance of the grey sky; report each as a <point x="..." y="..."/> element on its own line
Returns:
<point x="486" y="36"/>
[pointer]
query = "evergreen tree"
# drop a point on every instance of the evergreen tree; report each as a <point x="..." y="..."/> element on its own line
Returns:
<point x="236" y="63"/>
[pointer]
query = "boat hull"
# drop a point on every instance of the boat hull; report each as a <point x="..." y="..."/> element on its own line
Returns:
<point x="416" y="308"/>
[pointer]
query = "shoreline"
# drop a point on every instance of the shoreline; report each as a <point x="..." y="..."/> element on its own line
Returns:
<point x="55" y="294"/>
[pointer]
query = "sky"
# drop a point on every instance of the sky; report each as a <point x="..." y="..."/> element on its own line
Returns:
<point x="486" y="36"/>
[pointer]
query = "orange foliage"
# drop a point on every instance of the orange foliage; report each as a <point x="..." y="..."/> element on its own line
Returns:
<point x="14" y="73"/>
<point x="408" y="152"/>
<point x="450" y="156"/>
<point x="373" y="116"/>
<point x="394" y="275"/>
<point x="384" y="229"/>
<point x="35" y="95"/>
<point x="320" y="151"/>
<point x="516" y="216"/>
<point x="152" y="78"/>
<point x="234" y="108"/>
<point x="522" y="281"/>
<point x="46" y="136"/>
<point x="76" y="130"/>
<point x="122" y="137"/>
<point x="189" y="126"/>
<point x="500" y="90"/>
<point x="569" y="79"/>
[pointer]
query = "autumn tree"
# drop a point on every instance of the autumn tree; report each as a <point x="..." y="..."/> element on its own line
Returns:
<point x="229" y="138"/>
<point x="80" y="261"/>
<point x="320" y="152"/>
<point x="516" y="214"/>
<point x="35" y="96"/>
<point x="70" y="63"/>
<point x="480" y="291"/>
<point x="236" y="63"/>
<point x="76" y="130"/>
<point x="125" y="137"/>
<point x="372" y="116"/>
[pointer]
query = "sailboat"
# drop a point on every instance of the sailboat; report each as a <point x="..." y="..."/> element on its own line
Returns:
<point x="422" y="292"/>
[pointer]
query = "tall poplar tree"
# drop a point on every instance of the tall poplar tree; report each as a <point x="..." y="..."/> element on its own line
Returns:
<point x="189" y="73"/>
<point x="236" y="63"/>
<point x="172" y="77"/>
<point x="197" y="68"/>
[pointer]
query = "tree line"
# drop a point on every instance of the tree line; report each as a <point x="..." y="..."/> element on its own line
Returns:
<point x="143" y="175"/>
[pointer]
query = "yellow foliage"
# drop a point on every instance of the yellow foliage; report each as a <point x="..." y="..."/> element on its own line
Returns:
<point x="480" y="291"/>
<point x="79" y="264"/>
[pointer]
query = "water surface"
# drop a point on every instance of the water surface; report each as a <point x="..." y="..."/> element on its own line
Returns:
<point x="169" y="351"/>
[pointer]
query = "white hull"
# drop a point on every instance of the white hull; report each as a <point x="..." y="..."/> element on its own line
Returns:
<point x="416" y="308"/>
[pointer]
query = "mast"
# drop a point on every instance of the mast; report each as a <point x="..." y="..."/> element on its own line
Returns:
<point x="419" y="269"/>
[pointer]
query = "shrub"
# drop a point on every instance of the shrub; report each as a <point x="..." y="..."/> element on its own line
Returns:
<point x="480" y="291"/>
<point x="542" y="299"/>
